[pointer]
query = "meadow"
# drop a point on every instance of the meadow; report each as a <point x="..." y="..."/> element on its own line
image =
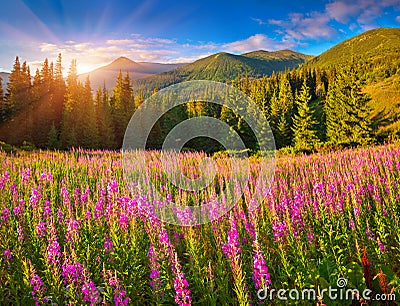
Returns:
<point x="72" y="233"/>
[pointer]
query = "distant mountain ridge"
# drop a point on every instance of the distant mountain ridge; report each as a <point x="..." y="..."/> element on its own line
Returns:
<point x="107" y="75"/>
<point x="224" y="67"/>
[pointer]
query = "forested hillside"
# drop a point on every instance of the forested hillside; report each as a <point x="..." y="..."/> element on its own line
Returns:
<point x="336" y="99"/>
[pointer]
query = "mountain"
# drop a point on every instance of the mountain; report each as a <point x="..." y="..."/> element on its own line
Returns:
<point x="108" y="74"/>
<point x="368" y="46"/>
<point x="376" y="54"/>
<point x="284" y="56"/>
<point x="224" y="67"/>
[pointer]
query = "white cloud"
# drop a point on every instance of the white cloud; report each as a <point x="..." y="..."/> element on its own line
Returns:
<point x="341" y="11"/>
<point x="398" y="19"/>
<point x="119" y="41"/>
<point x="305" y="26"/>
<point x="257" y="42"/>
<point x="259" y="21"/>
<point x="317" y="24"/>
<point x="188" y="59"/>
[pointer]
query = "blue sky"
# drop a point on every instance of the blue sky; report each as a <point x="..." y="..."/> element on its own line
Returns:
<point x="96" y="32"/>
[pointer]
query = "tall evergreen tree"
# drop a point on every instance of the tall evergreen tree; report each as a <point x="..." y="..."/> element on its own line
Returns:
<point x="104" y="122"/>
<point x="14" y="90"/>
<point x="123" y="105"/>
<point x="52" y="138"/>
<point x="283" y="113"/>
<point x="347" y="109"/>
<point x="58" y="91"/>
<point x="305" y="136"/>
<point x="69" y="124"/>
<point x="87" y="125"/>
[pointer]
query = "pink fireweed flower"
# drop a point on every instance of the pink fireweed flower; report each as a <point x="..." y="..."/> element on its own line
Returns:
<point x="85" y="195"/>
<point x="38" y="288"/>
<point x="155" y="282"/>
<point x="232" y="249"/>
<point x="5" y="216"/>
<point x="60" y="216"/>
<point x="370" y="234"/>
<point x="72" y="229"/>
<point x="112" y="187"/>
<point x="21" y="236"/>
<point x="18" y="210"/>
<point x="90" y="292"/>
<point x="98" y="208"/>
<point x="108" y="245"/>
<point x="310" y="237"/>
<point x="41" y="229"/>
<point x="381" y="246"/>
<point x="279" y="230"/>
<point x="34" y="199"/>
<point x="77" y="195"/>
<point x="123" y="221"/>
<point x="72" y="273"/>
<point x="7" y="256"/>
<point x="183" y="294"/>
<point x="119" y="293"/>
<point x="65" y="195"/>
<point x="46" y="210"/>
<point x="26" y="173"/>
<point x="53" y="252"/>
<point x="119" y="298"/>
<point x="164" y="239"/>
<point x="6" y="175"/>
<point x="261" y="276"/>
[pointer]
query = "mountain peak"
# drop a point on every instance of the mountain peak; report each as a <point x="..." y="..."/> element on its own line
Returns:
<point x="122" y="59"/>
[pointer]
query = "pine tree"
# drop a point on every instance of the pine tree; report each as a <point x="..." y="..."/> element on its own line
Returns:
<point x="87" y="125"/>
<point x="123" y="105"/>
<point x="347" y="110"/>
<point x="69" y="124"/>
<point x="104" y="122"/>
<point x="58" y="93"/>
<point x="305" y="136"/>
<point x="284" y="133"/>
<point x="14" y="90"/>
<point x="282" y="109"/>
<point x="52" y="138"/>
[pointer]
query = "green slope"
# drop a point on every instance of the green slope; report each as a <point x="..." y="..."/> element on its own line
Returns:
<point x="372" y="45"/>
<point x="225" y="67"/>
<point x="377" y="56"/>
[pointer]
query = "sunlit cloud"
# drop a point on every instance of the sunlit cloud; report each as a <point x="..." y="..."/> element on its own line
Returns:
<point x="90" y="55"/>
<point x="257" y="42"/>
<point x="301" y="26"/>
<point x="317" y="25"/>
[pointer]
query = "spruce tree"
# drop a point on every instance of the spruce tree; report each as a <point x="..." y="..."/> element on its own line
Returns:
<point x="69" y="123"/>
<point x="305" y="136"/>
<point x="52" y="138"/>
<point x="14" y="89"/>
<point x="87" y="118"/>
<point x="347" y="110"/>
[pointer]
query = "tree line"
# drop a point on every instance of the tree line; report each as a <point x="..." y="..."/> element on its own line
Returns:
<point x="306" y="108"/>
